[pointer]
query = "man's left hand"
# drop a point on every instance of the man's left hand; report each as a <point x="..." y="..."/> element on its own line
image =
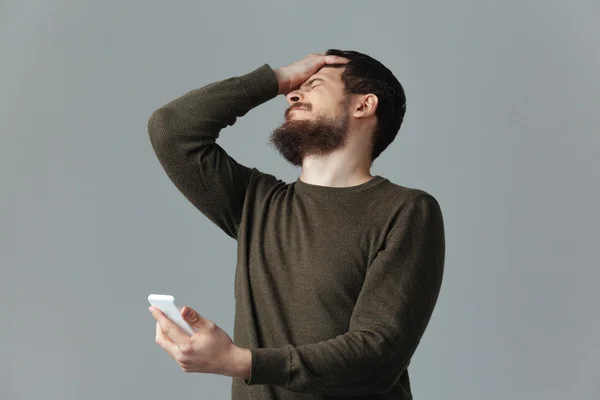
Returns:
<point x="210" y="350"/>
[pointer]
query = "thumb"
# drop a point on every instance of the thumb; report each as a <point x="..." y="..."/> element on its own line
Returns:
<point x="190" y="316"/>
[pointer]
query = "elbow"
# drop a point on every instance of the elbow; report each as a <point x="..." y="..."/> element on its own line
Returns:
<point x="394" y="374"/>
<point x="379" y="385"/>
<point x="164" y="126"/>
<point x="385" y="385"/>
<point x="158" y="123"/>
<point x="383" y="379"/>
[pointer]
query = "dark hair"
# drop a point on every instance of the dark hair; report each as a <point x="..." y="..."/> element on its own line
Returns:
<point x="362" y="75"/>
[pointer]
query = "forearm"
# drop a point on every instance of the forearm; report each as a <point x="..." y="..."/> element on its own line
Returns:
<point x="356" y="363"/>
<point x="206" y="111"/>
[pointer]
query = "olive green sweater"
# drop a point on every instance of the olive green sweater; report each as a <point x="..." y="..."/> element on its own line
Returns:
<point x="334" y="287"/>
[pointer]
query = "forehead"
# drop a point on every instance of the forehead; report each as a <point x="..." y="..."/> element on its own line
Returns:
<point x="329" y="74"/>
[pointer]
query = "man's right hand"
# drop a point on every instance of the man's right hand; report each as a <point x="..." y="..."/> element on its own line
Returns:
<point x="292" y="76"/>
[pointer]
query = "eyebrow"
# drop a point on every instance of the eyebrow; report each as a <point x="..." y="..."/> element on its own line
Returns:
<point x="308" y="83"/>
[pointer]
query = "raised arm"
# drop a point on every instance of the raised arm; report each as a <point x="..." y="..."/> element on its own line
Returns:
<point x="183" y="134"/>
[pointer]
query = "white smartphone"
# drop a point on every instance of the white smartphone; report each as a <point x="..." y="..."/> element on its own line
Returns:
<point x="166" y="303"/>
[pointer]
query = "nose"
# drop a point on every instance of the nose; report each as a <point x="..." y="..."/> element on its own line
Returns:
<point x="294" y="97"/>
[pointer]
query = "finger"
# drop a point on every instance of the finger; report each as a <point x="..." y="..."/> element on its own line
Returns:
<point x="336" y="60"/>
<point x="169" y="328"/>
<point x="163" y="341"/>
<point x="192" y="317"/>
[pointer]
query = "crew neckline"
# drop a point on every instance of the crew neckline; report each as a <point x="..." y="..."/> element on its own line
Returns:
<point x="304" y="187"/>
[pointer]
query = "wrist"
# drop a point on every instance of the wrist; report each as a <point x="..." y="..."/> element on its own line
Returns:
<point x="283" y="80"/>
<point x="241" y="364"/>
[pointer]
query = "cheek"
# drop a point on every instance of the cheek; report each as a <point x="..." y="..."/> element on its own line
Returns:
<point x="330" y="103"/>
<point x="322" y="106"/>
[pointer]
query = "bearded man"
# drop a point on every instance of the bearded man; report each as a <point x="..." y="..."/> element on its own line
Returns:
<point x="337" y="272"/>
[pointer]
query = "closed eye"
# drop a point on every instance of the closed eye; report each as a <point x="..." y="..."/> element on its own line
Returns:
<point x="312" y="83"/>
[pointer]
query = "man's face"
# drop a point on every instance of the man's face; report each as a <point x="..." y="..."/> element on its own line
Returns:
<point x="316" y="122"/>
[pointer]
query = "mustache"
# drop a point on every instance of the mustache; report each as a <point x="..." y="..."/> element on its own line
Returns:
<point x="301" y="106"/>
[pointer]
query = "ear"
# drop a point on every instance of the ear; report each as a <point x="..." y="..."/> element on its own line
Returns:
<point x="365" y="106"/>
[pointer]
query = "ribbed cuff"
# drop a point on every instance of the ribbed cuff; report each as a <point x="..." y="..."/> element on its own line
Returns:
<point x="270" y="367"/>
<point x="261" y="85"/>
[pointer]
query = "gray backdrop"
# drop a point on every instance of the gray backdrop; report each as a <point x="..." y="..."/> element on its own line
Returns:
<point x="501" y="127"/>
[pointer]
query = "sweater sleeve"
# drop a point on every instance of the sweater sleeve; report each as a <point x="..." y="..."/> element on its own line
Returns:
<point x="392" y="311"/>
<point x="183" y="135"/>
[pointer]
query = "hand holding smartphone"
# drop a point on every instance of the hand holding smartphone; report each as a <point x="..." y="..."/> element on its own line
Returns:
<point x="167" y="304"/>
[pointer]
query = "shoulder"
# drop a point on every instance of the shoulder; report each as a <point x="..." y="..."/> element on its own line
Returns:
<point x="414" y="214"/>
<point x="263" y="185"/>
<point x="401" y="197"/>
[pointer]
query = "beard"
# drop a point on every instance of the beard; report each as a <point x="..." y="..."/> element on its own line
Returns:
<point x="297" y="139"/>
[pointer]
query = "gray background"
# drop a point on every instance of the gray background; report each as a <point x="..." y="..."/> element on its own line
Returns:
<point x="502" y="128"/>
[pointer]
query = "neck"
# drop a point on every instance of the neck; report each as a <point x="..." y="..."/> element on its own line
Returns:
<point x="338" y="169"/>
